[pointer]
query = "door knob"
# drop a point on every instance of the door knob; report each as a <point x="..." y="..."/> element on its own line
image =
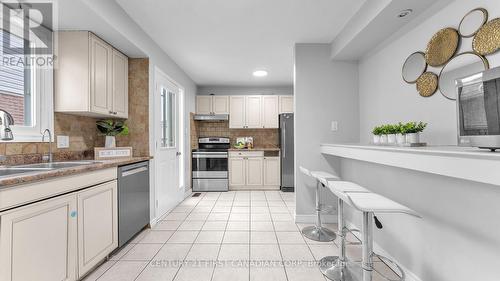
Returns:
<point x="178" y="153"/>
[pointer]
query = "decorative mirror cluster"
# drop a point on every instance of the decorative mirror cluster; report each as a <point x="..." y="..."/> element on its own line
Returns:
<point x="441" y="52"/>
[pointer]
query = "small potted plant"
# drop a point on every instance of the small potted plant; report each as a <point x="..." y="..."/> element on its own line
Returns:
<point x="401" y="134"/>
<point x="111" y="129"/>
<point x="377" y="132"/>
<point x="391" y="131"/>
<point x="413" y="130"/>
<point x="383" y="134"/>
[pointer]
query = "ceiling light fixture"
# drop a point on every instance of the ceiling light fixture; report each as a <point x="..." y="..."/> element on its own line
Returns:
<point x="405" y="13"/>
<point x="260" y="73"/>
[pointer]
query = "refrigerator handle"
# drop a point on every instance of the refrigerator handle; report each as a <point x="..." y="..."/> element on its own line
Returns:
<point x="283" y="149"/>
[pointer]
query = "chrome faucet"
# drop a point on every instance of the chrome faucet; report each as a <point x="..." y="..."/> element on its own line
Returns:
<point x="50" y="145"/>
<point x="6" y="120"/>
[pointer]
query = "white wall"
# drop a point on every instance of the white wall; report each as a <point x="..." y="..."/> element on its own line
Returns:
<point x="385" y="97"/>
<point x="119" y="20"/>
<point x="234" y="90"/>
<point x="324" y="91"/>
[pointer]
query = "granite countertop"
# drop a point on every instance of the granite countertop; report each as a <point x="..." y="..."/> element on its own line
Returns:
<point x="29" y="177"/>
<point x="256" y="149"/>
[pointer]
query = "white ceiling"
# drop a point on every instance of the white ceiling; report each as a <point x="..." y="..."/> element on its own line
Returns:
<point x="221" y="42"/>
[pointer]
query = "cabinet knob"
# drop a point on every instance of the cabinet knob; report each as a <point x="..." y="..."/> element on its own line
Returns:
<point x="110" y="112"/>
<point x="73" y="214"/>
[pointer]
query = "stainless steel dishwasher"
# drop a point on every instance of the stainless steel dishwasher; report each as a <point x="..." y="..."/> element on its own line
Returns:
<point x="133" y="200"/>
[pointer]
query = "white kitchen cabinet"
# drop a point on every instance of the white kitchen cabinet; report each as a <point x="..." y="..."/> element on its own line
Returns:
<point x="272" y="175"/>
<point x="270" y="112"/>
<point x="39" y="241"/>
<point x="254" y="171"/>
<point x="237" y="171"/>
<point x="237" y="112"/>
<point x="212" y="104"/>
<point x="286" y="104"/>
<point x="253" y="112"/>
<point x="97" y="225"/>
<point x="91" y="77"/>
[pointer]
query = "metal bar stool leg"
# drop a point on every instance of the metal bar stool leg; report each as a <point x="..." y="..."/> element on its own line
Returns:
<point x="339" y="268"/>
<point x="367" y="262"/>
<point x="317" y="232"/>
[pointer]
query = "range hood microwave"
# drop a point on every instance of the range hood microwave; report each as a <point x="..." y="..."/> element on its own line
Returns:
<point x="211" y="117"/>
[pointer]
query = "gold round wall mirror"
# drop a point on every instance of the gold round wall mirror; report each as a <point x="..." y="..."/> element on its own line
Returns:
<point x="472" y="22"/>
<point x="442" y="47"/>
<point x="487" y="39"/>
<point x="462" y="65"/>
<point x="427" y="84"/>
<point x="413" y="67"/>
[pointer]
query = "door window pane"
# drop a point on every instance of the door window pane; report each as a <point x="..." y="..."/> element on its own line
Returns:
<point x="167" y="118"/>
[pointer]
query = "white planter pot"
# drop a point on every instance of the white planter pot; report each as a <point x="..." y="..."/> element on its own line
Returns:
<point x="400" y="139"/>
<point x="413" y="138"/>
<point x="383" y="139"/>
<point x="376" y="139"/>
<point x="110" y="142"/>
<point x="391" y="138"/>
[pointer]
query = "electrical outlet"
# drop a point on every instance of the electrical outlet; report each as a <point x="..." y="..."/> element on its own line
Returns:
<point x="335" y="126"/>
<point x="62" y="141"/>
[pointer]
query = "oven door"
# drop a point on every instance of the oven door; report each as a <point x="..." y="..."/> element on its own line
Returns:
<point x="210" y="165"/>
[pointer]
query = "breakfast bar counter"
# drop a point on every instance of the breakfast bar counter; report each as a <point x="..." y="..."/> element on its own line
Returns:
<point x="466" y="163"/>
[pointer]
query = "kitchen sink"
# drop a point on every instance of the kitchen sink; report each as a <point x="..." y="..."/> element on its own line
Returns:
<point x="39" y="167"/>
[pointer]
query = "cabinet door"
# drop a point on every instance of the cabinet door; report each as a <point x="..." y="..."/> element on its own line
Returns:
<point x="220" y="104"/>
<point x="254" y="171"/>
<point x="253" y="111"/>
<point x="101" y="97"/>
<point x="237" y="112"/>
<point x="97" y="225"/>
<point x="272" y="171"/>
<point x="120" y="84"/>
<point x="286" y="104"/>
<point x="204" y="104"/>
<point x="270" y="111"/>
<point x="237" y="171"/>
<point x="38" y="241"/>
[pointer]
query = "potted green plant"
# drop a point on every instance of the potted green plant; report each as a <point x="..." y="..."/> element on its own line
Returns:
<point x="383" y="134"/>
<point x="391" y="131"/>
<point x="377" y="132"/>
<point x="401" y="133"/>
<point x="413" y="130"/>
<point x="112" y="128"/>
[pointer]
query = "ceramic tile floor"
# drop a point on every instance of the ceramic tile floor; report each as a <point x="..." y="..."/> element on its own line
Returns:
<point x="232" y="236"/>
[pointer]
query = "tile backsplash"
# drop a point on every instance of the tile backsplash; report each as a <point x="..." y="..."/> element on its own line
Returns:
<point x="263" y="138"/>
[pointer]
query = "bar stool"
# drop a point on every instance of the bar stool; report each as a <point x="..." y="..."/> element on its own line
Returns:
<point x="318" y="232"/>
<point x="333" y="267"/>
<point x="370" y="203"/>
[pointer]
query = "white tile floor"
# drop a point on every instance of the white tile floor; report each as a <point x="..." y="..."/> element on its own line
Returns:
<point x="225" y="236"/>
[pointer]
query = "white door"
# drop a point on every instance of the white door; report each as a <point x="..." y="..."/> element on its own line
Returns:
<point x="270" y="111"/>
<point x="254" y="171"/>
<point x="167" y="154"/>
<point x="237" y="112"/>
<point x="237" y="172"/>
<point x="286" y="104"/>
<point x="204" y="104"/>
<point x="220" y="104"/>
<point x="253" y="111"/>
<point x="100" y="77"/>
<point x="120" y="85"/>
<point x="272" y="171"/>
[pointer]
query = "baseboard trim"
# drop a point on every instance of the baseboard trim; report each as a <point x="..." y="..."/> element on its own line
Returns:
<point x="410" y="276"/>
<point x="188" y="193"/>
<point x="326" y="218"/>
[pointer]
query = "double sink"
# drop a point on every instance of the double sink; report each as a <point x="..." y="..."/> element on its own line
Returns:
<point x="40" y="167"/>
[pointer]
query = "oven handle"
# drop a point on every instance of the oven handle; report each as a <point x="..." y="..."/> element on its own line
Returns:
<point x="209" y="156"/>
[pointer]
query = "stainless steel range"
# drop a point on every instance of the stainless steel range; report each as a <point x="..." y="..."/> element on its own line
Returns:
<point x="210" y="164"/>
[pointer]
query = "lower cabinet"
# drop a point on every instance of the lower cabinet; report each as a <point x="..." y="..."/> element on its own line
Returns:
<point x="251" y="170"/>
<point x="60" y="238"/>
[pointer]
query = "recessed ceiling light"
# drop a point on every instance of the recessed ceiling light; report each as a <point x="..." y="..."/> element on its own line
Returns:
<point x="260" y="73"/>
<point x="405" y="13"/>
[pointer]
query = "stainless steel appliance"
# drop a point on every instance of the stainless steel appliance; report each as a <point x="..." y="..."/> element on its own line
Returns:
<point x="287" y="147"/>
<point x="133" y="200"/>
<point x="211" y="117"/>
<point x="478" y="110"/>
<point x="210" y="164"/>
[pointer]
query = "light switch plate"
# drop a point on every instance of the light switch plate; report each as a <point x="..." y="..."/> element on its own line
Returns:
<point x="62" y="141"/>
<point x="335" y="126"/>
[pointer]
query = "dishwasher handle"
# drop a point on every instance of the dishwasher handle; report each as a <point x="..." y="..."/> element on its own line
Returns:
<point x="134" y="171"/>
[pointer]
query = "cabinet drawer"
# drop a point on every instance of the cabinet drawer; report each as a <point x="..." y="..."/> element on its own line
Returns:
<point x="246" y="153"/>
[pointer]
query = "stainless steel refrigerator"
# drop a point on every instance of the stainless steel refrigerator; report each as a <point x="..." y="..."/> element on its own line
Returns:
<point x="287" y="147"/>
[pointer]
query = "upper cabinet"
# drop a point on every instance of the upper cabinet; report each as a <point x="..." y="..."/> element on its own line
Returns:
<point x="270" y="112"/>
<point x="212" y="104"/>
<point x="253" y="112"/>
<point x="91" y="77"/>
<point x="286" y="104"/>
<point x="237" y="112"/>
